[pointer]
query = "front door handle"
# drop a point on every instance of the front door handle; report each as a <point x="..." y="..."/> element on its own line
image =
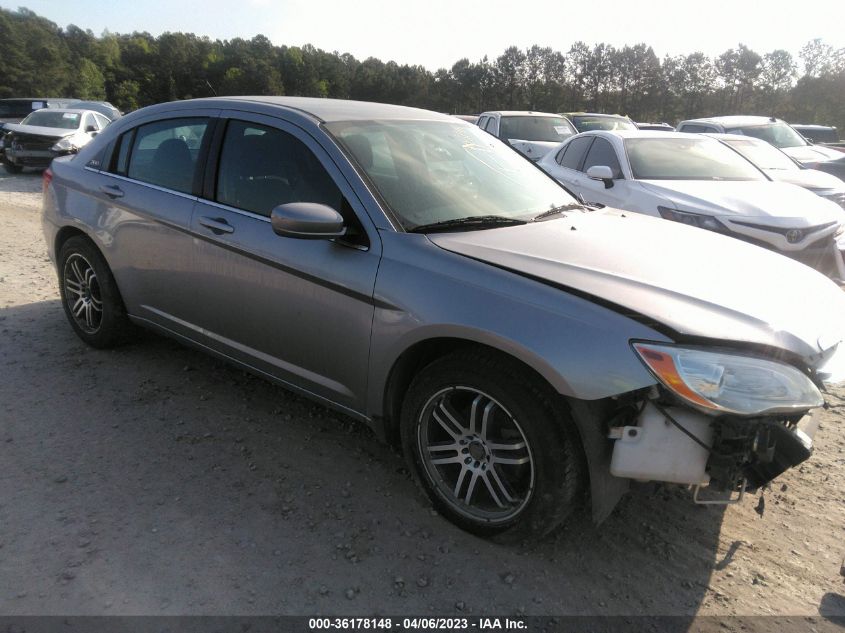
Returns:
<point x="112" y="191"/>
<point x="218" y="226"/>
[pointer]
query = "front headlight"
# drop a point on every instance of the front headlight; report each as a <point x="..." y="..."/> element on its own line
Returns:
<point x="692" y="219"/>
<point x="720" y="382"/>
<point x="65" y="145"/>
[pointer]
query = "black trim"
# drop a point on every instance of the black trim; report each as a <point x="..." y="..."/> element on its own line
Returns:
<point x="212" y="159"/>
<point x="199" y="174"/>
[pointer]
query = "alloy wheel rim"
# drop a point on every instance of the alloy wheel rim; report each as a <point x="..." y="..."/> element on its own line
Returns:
<point x="475" y="454"/>
<point x="82" y="293"/>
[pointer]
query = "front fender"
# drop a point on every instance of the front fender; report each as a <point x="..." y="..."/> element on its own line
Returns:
<point x="580" y="348"/>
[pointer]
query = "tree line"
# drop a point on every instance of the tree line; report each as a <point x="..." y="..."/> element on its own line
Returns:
<point x="40" y="59"/>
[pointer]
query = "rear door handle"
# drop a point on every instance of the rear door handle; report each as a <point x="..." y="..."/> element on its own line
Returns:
<point x="112" y="191"/>
<point x="218" y="226"/>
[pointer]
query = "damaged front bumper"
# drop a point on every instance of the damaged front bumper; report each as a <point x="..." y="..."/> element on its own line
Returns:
<point x="726" y="454"/>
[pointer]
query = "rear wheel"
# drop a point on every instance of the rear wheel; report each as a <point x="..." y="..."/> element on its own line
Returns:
<point x="490" y="448"/>
<point x="90" y="296"/>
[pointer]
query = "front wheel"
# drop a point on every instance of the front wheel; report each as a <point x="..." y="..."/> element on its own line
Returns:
<point x="12" y="168"/>
<point x="490" y="448"/>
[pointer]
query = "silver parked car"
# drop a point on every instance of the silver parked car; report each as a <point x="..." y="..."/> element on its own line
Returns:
<point x="410" y="270"/>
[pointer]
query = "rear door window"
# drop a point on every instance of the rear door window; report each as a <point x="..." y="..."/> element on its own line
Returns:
<point x="165" y="153"/>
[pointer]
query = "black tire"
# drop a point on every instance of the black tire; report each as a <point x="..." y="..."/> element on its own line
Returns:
<point x="88" y="288"/>
<point x="12" y="168"/>
<point x="543" y="491"/>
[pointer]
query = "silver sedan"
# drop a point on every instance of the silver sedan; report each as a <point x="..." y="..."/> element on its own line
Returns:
<point x="526" y="352"/>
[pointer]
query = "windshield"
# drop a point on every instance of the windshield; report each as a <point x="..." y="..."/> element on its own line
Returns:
<point x="687" y="159"/>
<point x="778" y="134"/>
<point x="53" y="118"/>
<point x="763" y="155"/>
<point x="587" y="123"/>
<point x="433" y="171"/>
<point x="553" y="129"/>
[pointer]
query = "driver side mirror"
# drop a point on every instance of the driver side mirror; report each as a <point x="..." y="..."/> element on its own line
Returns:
<point x="90" y="128"/>
<point x="307" y="221"/>
<point x="603" y="173"/>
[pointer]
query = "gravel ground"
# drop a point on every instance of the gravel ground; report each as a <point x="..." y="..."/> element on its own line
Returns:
<point x="155" y="480"/>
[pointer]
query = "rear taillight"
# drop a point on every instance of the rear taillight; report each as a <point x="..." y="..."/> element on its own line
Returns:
<point x="46" y="179"/>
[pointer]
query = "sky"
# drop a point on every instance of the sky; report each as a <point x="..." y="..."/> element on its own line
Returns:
<point x="437" y="33"/>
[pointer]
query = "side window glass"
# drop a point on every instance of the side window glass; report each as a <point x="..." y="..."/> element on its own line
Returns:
<point x="491" y="126"/>
<point x="602" y="153"/>
<point x="261" y="168"/>
<point x="575" y="150"/>
<point x="165" y="153"/>
<point x="694" y="129"/>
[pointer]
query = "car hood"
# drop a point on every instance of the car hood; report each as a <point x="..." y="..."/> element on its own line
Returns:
<point x="807" y="178"/>
<point x="53" y="132"/>
<point x="812" y="153"/>
<point x="696" y="283"/>
<point x="757" y="199"/>
<point x="535" y="150"/>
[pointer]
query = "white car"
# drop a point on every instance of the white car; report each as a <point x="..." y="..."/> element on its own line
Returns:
<point x="48" y="133"/>
<point x="696" y="180"/>
<point x="780" y="167"/>
<point x="532" y="134"/>
<point x="778" y="133"/>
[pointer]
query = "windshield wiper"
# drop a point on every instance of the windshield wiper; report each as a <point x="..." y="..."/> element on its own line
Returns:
<point x="469" y="222"/>
<point x="561" y="209"/>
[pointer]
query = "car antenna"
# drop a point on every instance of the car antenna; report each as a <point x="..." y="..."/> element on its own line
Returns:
<point x="207" y="83"/>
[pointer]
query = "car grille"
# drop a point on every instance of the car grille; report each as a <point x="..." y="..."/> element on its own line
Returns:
<point x="32" y="142"/>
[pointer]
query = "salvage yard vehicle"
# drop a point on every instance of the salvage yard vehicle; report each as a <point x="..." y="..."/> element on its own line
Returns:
<point x="48" y="133"/>
<point x="774" y="131"/>
<point x="696" y="180"/>
<point x="16" y="110"/>
<point x="405" y="268"/>
<point x="825" y="135"/>
<point x="781" y="167"/>
<point x="589" y="121"/>
<point x="532" y="134"/>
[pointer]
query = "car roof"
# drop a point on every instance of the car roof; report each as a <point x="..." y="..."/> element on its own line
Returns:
<point x="735" y="137"/>
<point x="735" y="120"/>
<point x="623" y="134"/>
<point x="519" y="113"/>
<point x="323" y="110"/>
<point x="65" y="110"/>
<point x="597" y="114"/>
<point x="813" y="126"/>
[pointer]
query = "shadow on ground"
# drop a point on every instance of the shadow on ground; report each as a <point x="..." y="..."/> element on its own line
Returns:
<point x="153" y="479"/>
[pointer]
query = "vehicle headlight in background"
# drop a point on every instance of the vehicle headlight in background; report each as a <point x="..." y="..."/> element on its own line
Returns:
<point x="692" y="219"/>
<point x="721" y="382"/>
<point x="65" y="145"/>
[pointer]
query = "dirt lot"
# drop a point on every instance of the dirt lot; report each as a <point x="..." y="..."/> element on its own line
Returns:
<point x="155" y="480"/>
